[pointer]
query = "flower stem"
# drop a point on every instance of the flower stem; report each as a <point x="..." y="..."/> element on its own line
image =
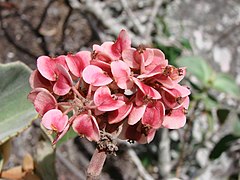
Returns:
<point x="96" y="164"/>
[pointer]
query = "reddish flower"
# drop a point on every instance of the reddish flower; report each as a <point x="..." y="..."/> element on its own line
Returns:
<point x="117" y="89"/>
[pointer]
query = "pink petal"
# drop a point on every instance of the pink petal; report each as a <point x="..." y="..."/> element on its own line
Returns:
<point x="43" y="100"/>
<point x="175" y="120"/>
<point x="151" y="135"/>
<point x="47" y="66"/>
<point x="121" y="73"/>
<point x="105" y="66"/>
<point x="159" y="58"/>
<point x="154" y="114"/>
<point x="121" y="113"/>
<point x="63" y="83"/>
<point x="147" y="90"/>
<point x="166" y="81"/>
<point x="104" y="101"/>
<point x="174" y="98"/>
<point x="86" y="125"/>
<point x="178" y="74"/>
<point x="128" y="57"/>
<point x="36" y="80"/>
<point x="184" y="91"/>
<point x="145" y="57"/>
<point x="157" y="70"/>
<point x="136" y="114"/>
<point x="95" y="76"/>
<point x="55" y="120"/>
<point x="123" y="42"/>
<point x="147" y="138"/>
<point x="103" y="52"/>
<point x="78" y="62"/>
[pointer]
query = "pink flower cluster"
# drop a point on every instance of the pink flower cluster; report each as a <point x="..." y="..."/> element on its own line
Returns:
<point x="117" y="89"/>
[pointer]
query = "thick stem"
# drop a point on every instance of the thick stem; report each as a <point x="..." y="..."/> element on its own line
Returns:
<point x="96" y="164"/>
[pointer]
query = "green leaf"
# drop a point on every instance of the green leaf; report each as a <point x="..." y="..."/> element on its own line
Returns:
<point x="197" y="66"/>
<point x="45" y="157"/>
<point x="227" y="84"/>
<point x="171" y="52"/>
<point x="222" y="146"/>
<point x="209" y="103"/>
<point x="186" y="43"/>
<point x="210" y="121"/>
<point x="222" y="115"/>
<point x="236" y="126"/>
<point x="16" y="112"/>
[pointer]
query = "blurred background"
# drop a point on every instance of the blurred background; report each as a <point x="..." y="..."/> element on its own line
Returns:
<point x="203" y="35"/>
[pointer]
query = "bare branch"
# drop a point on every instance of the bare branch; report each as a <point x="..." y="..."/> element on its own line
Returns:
<point x="132" y="17"/>
<point x="142" y="171"/>
<point x="149" y="27"/>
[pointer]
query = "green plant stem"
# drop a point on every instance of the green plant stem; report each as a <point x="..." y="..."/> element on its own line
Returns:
<point x="96" y="164"/>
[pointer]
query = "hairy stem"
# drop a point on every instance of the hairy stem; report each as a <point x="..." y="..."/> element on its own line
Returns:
<point x="96" y="164"/>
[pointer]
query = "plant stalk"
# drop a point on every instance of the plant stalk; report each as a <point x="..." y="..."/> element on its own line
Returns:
<point x="96" y="164"/>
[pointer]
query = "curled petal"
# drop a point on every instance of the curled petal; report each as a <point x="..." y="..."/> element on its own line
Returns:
<point x="147" y="90"/>
<point x="55" y="120"/>
<point x="158" y="60"/>
<point x="128" y="57"/>
<point x="144" y="57"/>
<point x="104" y="101"/>
<point x="174" y="98"/>
<point x="157" y="70"/>
<point x="86" y="125"/>
<point x="121" y="113"/>
<point x="166" y="81"/>
<point x="64" y="82"/>
<point x="95" y="76"/>
<point x="76" y="63"/>
<point x="154" y="114"/>
<point x="176" y="118"/>
<point x="42" y="100"/>
<point x="136" y="114"/>
<point x="47" y="66"/>
<point x="123" y="42"/>
<point x="105" y="66"/>
<point x="121" y="73"/>
<point x="150" y="135"/>
<point x="36" y="80"/>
